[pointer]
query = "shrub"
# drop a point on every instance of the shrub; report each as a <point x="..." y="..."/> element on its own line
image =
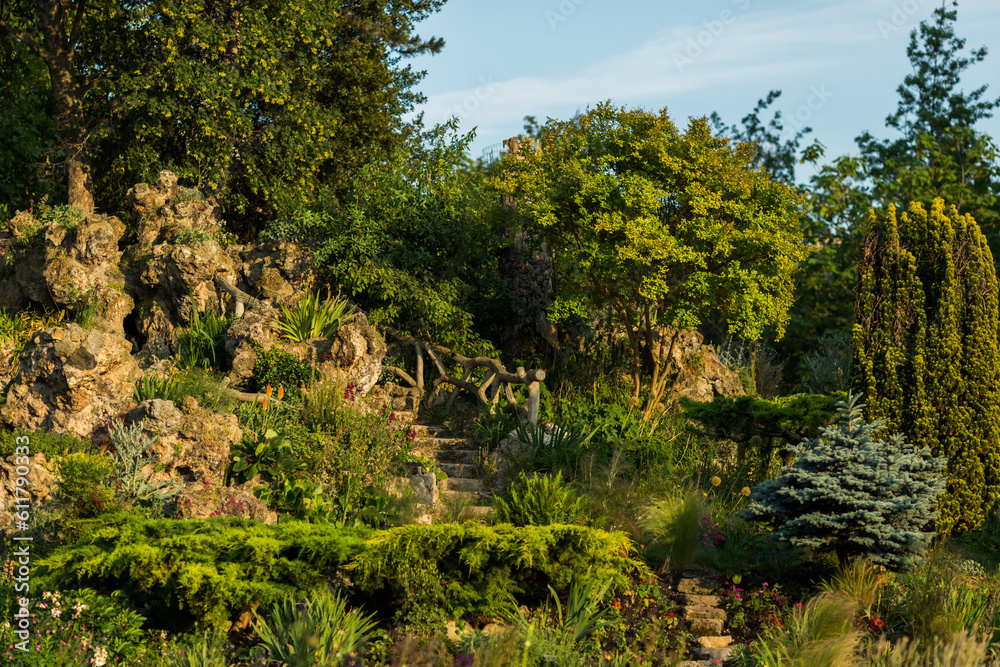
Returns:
<point x="83" y="486"/>
<point x="199" y="572"/>
<point x="280" y="369"/>
<point x="322" y="631"/>
<point x="851" y="494"/>
<point x="540" y="501"/>
<point x="830" y="369"/>
<point x="311" y="318"/>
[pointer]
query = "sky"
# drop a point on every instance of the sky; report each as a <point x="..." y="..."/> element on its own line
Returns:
<point x="838" y="63"/>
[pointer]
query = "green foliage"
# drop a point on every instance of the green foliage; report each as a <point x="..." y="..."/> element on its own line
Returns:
<point x="662" y="225"/>
<point x="281" y="369"/>
<point x="582" y="617"/>
<point x="540" y="501"/>
<point x="322" y="631"/>
<point x="311" y="318"/>
<point x="67" y="217"/>
<point x="199" y="572"/>
<point x="53" y="445"/>
<point x="158" y="386"/>
<point x="83" y="488"/>
<point x="202" y="344"/>
<point x="449" y="570"/>
<point x="415" y="243"/>
<point x="854" y="495"/>
<point x="559" y="448"/>
<point x="130" y="458"/>
<point x="671" y="527"/>
<point x="820" y="634"/>
<point x="925" y="348"/>
<point x="190" y="235"/>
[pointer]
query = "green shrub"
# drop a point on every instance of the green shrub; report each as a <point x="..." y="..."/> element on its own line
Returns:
<point x="829" y="369"/>
<point x="198" y="572"/>
<point x="280" y="369"/>
<point x="938" y="604"/>
<point x="311" y="318"/>
<point x="540" y="501"/>
<point x="53" y="445"/>
<point x="444" y="571"/>
<point x="854" y="495"/>
<point x="83" y="487"/>
<point x="560" y="448"/>
<point x="322" y="631"/>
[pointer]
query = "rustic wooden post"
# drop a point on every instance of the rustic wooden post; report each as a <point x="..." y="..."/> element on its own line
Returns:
<point x="534" y="395"/>
<point x="420" y="367"/>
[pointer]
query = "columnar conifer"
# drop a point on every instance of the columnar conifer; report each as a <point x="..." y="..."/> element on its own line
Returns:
<point x="925" y="348"/>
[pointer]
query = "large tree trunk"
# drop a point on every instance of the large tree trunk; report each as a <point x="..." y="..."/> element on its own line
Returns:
<point x="59" y="46"/>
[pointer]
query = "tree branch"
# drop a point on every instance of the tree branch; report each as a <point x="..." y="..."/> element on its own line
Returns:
<point x="24" y="39"/>
<point x="77" y="21"/>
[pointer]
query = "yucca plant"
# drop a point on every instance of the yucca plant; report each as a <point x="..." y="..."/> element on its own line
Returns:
<point x="158" y="386"/>
<point x="540" y="501"/>
<point x="312" y="318"/>
<point x="320" y="632"/>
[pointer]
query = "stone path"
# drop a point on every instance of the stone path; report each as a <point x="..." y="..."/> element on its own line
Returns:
<point x="702" y="610"/>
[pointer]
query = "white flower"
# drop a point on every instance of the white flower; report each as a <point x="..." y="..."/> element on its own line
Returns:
<point x="100" y="656"/>
<point x="56" y="611"/>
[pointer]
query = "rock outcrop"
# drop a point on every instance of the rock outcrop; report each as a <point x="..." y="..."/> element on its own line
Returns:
<point x="70" y="380"/>
<point x="199" y="501"/>
<point x="697" y="370"/>
<point x="193" y="443"/>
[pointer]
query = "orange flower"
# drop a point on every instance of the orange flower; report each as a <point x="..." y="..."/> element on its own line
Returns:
<point x="265" y="403"/>
<point x="268" y="392"/>
<point x="281" y="393"/>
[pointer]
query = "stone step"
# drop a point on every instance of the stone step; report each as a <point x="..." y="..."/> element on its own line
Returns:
<point x="703" y="627"/>
<point x="426" y="429"/>
<point x="460" y="484"/>
<point x="708" y="600"/>
<point x="445" y="442"/>
<point x="458" y="470"/>
<point x="702" y="611"/>
<point x="470" y="498"/>
<point x="715" y="642"/>
<point x="465" y="456"/>
<point x="698" y="663"/>
<point x="697" y="586"/>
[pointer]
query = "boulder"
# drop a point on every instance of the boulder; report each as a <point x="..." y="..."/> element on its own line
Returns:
<point x="698" y="373"/>
<point x="193" y="443"/>
<point x="74" y="266"/>
<point x="166" y="213"/>
<point x="41" y="479"/>
<point x="177" y="273"/>
<point x="356" y="354"/>
<point x="70" y="380"/>
<point x="253" y="329"/>
<point x="276" y="271"/>
<point x="199" y="501"/>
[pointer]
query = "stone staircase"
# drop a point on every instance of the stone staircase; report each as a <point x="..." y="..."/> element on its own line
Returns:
<point x="457" y="457"/>
<point x="702" y="609"/>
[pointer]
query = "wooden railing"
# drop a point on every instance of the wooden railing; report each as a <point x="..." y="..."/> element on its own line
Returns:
<point x="488" y="392"/>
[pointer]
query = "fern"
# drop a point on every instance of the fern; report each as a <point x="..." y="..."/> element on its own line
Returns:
<point x="539" y="501"/>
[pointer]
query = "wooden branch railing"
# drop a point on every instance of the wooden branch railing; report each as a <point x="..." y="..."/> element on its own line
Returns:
<point x="488" y="392"/>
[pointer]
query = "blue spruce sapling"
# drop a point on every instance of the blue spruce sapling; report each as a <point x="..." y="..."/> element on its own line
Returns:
<point x="853" y="494"/>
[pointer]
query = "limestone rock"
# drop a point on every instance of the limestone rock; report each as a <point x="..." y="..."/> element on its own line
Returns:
<point x="277" y="271"/>
<point x="699" y="373"/>
<point x="199" y="500"/>
<point x="41" y="478"/>
<point x="255" y="327"/>
<point x="193" y="444"/>
<point x="70" y="380"/>
<point x="178" y="273"/>
<point x="166" y="213"/>
<point x="357" y="353"/>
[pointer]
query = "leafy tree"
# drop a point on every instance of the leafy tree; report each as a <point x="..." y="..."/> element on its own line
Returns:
<point x="662" y="225"/>
<point x="416" y="246"/>
<point x="925" y="348"/>
<point x="853" y="494"/>
<point x="940" y="153"/>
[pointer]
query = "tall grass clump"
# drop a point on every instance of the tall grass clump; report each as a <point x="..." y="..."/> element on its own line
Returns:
<point x="202" y="344"/>
<point x="821" y="633"/>
<point x="671" y="527"/>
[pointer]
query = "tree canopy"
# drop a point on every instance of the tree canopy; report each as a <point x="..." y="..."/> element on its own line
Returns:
<point x="658" y="223"/>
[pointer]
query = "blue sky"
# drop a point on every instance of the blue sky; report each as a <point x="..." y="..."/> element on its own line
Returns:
<point x="837" y="62"/>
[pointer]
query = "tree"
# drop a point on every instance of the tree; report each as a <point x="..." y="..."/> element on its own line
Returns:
<point x="273" y="104"/>
<point x="853" y="494"/>
<point x="940" y="153"/>
<point x="661" y="225"/>
<point x="926" y="351"/>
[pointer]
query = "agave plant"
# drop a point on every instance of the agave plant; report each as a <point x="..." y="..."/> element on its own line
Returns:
<point x="312" y="318"/>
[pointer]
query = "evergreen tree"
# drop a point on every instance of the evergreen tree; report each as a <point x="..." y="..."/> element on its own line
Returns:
<point x="853" y="494"/>
<point x="925" y="348"/>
